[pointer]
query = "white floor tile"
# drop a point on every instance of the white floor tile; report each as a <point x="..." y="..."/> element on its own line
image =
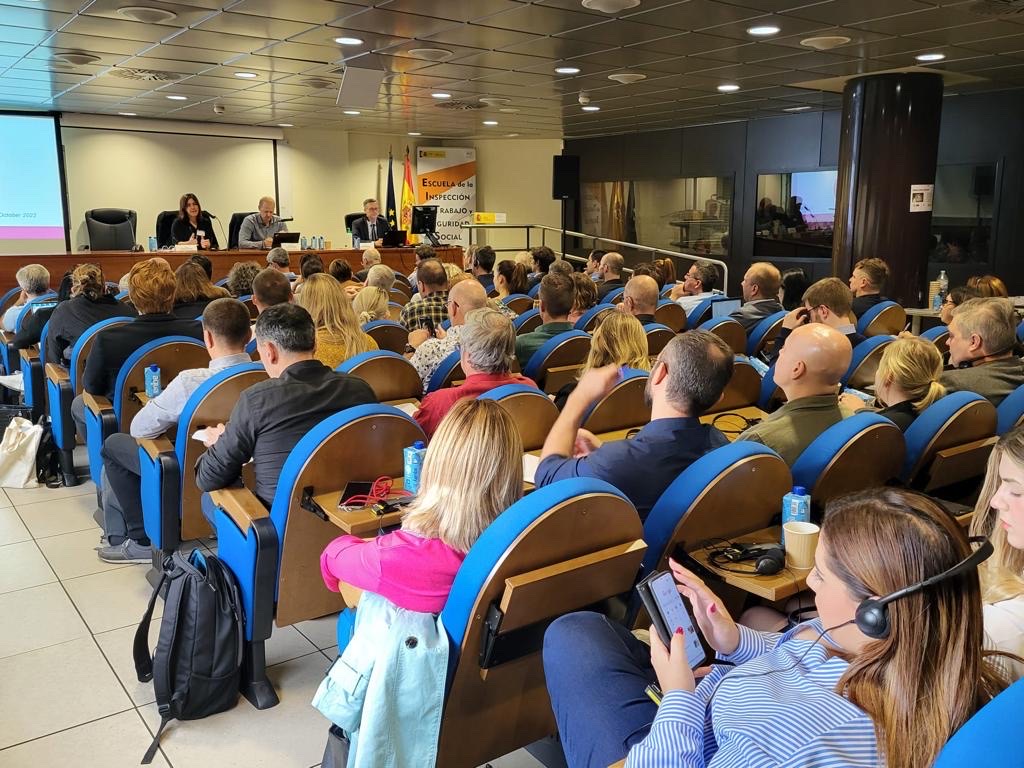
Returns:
<point x="287" y="643"/>
<point x="57" y="516"/>
<point x="12" y="530"/>
<point x="117" y="741"/>
<point x="36" y="618"/>
<point x="117" y="647"/>
<point x="54" y="688"/>
<point x="22" y="565"/>
<point x="73" y="554"/>
<point x="113" y="599"/>
<point x="323" y="631"/>
<point x="291" y="734"/>
<point x="19" y="496"/>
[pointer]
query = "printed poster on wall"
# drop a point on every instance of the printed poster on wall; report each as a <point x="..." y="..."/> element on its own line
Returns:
<point x="921" y="197"/>
<point x="446" y="177"/>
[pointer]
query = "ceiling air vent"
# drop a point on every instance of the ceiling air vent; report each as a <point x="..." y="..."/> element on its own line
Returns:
<point x="459" y="106"/>
<point x="146" y="14"/>
<point x="319" y="82"/>
<point x="75" y="58"/>
<point x="153" y="75"/>
<point x="997" y="8"/>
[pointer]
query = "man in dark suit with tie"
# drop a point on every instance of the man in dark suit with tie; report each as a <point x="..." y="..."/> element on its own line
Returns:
<point x="372" y="227"/>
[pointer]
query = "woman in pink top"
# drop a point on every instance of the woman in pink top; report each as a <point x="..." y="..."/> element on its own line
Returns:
<point x="472" y="471"/>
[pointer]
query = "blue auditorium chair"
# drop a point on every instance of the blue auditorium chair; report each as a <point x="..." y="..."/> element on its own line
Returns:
<point x="123" y="295"/>
<point x="730" y="331"/>
<point x="32" y="363"/>
<point x="8" y="299"/>
<point x="171" y="507"/>
<point x="10" y="358"/>
<point x="658" y="337"/>
<point x="744" y="387"/>
<point x="564" y="351"/>
<point x="533" y="412"/>
<point x="528" y="321"/>
<point x="671" y="314"/>
<point x="702" y="311"/>
<point x="518" y="302"/>
<point x="771" y="393"/>
<point x="562" y="548"/>
<point x="534" y="292"/>
<point x="624" y="407"/>
<point x="1010" y="412"/>
<point x="764" y="333"/>
<point x="613" y="297"/>
<point x="388" y="334"/>
<point x="448" y="372"/>
<point x="592" y="318"/>
<point x="390" y="375"/>
<point x="939" y="336"/>
<point x="885" y="318"/>
<point x="988" y="738"/>
<point x="864" y="363"/>
<point x="394" y="310"/>
<point x="274" y="554"/>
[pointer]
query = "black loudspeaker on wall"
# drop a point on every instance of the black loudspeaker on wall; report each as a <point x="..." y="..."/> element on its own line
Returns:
<point x="984" y="180"/>
<point x="565" y="177"/>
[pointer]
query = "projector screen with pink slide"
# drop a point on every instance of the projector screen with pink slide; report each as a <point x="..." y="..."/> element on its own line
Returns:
<point x="31" y="204"/>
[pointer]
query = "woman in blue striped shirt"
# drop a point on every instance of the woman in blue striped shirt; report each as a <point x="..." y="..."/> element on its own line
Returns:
<point x="824" y="694"/>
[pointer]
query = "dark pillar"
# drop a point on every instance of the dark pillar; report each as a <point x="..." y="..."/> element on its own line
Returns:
<point x="889" y="141"/>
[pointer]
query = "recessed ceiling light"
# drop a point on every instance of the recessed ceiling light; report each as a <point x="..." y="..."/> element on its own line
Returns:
<point x="352" y="112"/>
<point x="246" y="75"/>
<point x="494" y="101"/>
<point x="431" y="54"/>
<point x="285" y="125"/>
<point x="415" y="133"/>
<point x="627" y="78"/>
<point x="348" y="41"/>
<point x="728" y="88"/>
<point x="825" y="42"/>
<point x="76" y="58"/>
<point x="441" y="95"/>
<point x="490" y="122"/>
<point x="796" y="109"/>
<point x="591" y="108"/>
<point x="764" y="30"/>
<point x="610" y="6"/>
<point x="511" y="135"/>
<point x="931" y="57"/>
<point x="567" y="70"/>
<point x="178" y="98"/>
<point x="509" y="110"/>
<point x="127" y="114"/>
<point x="145" y="14"/>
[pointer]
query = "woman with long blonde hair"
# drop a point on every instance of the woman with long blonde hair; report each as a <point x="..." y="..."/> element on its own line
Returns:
<point x="338" y="333"/>
<point x="999" y="514"/>
<point x="620" y="339"/>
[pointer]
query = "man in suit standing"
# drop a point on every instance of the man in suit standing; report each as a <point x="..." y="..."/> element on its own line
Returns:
<point x="370" y="228"/>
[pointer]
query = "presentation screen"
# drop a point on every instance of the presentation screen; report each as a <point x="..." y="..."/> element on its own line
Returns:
<point x="818" y="190"/>
<point x="31" y="204"/>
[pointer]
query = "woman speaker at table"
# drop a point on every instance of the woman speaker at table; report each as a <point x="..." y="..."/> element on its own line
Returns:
<point x="193" y="224"/>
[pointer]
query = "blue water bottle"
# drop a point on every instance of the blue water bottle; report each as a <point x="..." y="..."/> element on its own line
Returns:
<point x="320" y="242"/>
<point x="153" y="247"/>
<point x="152" y="381"/>
<point x="413" y="458"/>
<point x="303" y="242"/>
<point x="796" y="508"/>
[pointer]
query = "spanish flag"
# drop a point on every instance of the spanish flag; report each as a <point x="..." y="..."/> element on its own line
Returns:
<point x="408" y="199"/>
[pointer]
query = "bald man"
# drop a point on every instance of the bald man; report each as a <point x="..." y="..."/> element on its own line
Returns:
<point x="760" y="295"/>
<point x="808" y="370"/>
<point x="258" y="229"/>
<point x="610" y="270"/>
<point x="463" y="298"/>
<point x="640" y="298"/>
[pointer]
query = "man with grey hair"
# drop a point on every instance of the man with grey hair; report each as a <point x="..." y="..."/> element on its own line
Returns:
<point x="687" y="380"/>
<point x="371" y="257"/>
<point x="34" y="281"/>
<point x="487" y="349"/>
<point x="371" y="228"/>
<point x="277" y="258"/>
<point x="464" y="297"/>
<point x="982" y="335"/>
<point x="699" y="283"/>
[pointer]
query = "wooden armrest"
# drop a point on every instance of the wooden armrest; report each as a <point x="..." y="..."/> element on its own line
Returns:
<point x="57" y="373"/>
<point x="6" y="336"/>
<point x="155" y="446"/>
<point x="29" y="354"/>
<point x="97" y="403"/>
<point x="240" y="504"/>
<point x="961" y="462"/>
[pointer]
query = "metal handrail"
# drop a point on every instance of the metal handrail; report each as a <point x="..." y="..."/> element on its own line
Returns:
<point x="544" y="229"/>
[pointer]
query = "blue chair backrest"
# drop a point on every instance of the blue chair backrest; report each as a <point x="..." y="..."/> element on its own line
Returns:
<point x="446" y="323"/>
<point x="590" y="314"/>
<point x="985" y="739"/>
<point x="611" y="296"/>
<point x="246" y="297"/>
<point x="929" y="422"/>
<point x="628" y="374"/>
<point x="182" y="437"/>
<point x="756" y="335"/>
<point x="135" y="358"/>
<point x="533" y="292"/>
<point x="648" y="327"/>
<point x="768" y="388"/>
<point x="539" y="358"/>
<point x="10" y="293"/>
<point x="528" y="314"/>
<point x="865" y="320"/>
<point x="507" y="390"/>
<point x="367" y="327"/>
<point x="933" y="333"/>
<point x="862" y="350"/>
<point x="88" y="333"/>
<point x="30" y="391"/>
<point x="27" y="309"/>
<point x="693" y="319"/>
<point x="124" y="294"/>
<point x="250" y="347"/>
<point x="222" y="282"/>
<point x="1008" y="412"/>
<point x="712" y="323"/>
<point x="1020" y="332"/>
<point x="817" y="456"/>
<point x="512" y="296"/>
<point x="443" y="370"/>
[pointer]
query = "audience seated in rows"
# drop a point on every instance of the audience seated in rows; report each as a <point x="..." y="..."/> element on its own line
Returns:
<point x="272" y="416"/>
<point x="35" y="320"/>
<point x="699" y="283"/>
<point x="89" y="304"/>
<point x="339" y="335"/>
<point x="988" y="286"/>
<point x="982" y="335"/>
<point x="225" y="333"/>
<point x="867" y="282"/>
<point x="620" y="340"/>
<point x="825" y="693"/>
<point x="760" y="288"/>
<point x="279" y="259"/>
<point x="611" y="268"/>
<point x="421" y="253"/>
<point x="541" y="259"/>
<point x="562" y="267"/>
<point x="486" y="351"/>
<point x="432" y="286"/>
<point x="372" y="302"/>
<point x="687" y="379"/>
<point x="593" y="268"/>
<point x="808" y="370"/>
<point x="240" y="277"/>
<point x="309" y="264"/>
<point x="828" y="302"/>
<point x="557" y="294"/>
<point x="340" y="270"/>
<point x="510" y="278"/>
<point x="193" y="291"/>
<point x="34" y="281"/>
<point x="791" y="288"/>
<point x="370" y="257"/>
<point x="431" y="351"/>
<point x="640" y="298"/>
<point x="906" y="382"/>
<point x="270" y="288"/>
<point x="483" y="267"/>
<point x="584" y="296"/>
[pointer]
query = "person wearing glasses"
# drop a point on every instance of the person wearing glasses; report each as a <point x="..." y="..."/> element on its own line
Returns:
<point x="699" y="283"/>
<point x="828" y="302"/>
<point x="954" y="299"/>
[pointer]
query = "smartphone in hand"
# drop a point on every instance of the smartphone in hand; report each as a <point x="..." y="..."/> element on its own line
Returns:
<point x="427" y="323"/>
<point x="668" y="611"/>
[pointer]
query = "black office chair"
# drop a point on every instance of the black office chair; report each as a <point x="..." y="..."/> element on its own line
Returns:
<point x="233" y="227"/>
<point x="164" y="222"/>
<point x="111" y="229"/>
<point x="350" y="218"/>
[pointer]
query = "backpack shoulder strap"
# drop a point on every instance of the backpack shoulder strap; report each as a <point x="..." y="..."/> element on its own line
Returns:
<point x="140" y="648"/>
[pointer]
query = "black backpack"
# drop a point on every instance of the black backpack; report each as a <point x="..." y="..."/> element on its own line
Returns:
<point x="48" y="470"/>
<point x="196" y="666"/>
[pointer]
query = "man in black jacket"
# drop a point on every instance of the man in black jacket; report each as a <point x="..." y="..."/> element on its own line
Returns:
<point x="272" y="416"/>
<point x="372" y="227"/>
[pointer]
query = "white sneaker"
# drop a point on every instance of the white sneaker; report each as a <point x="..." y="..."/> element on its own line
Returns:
<point x="13" y="381"/>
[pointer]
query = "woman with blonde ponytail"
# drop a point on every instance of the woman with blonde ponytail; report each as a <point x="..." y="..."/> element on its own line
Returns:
<point x="906" y="382"/>
<point x="999" y="514"/>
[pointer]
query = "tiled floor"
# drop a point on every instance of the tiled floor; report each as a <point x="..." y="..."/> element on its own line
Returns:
<point x="68" y="691"/>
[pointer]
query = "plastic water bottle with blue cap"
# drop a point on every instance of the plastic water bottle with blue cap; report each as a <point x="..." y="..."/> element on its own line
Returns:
<point x="152" y="381"/>
<point x="796" y="508"/>
<point x="413" y="459"/>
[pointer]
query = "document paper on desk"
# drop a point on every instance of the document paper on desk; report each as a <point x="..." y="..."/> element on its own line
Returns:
<point x="409" y="408"/>
<point x="530" y="464"/>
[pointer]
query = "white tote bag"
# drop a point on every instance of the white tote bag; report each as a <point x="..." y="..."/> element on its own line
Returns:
<point x="18" y="454"/>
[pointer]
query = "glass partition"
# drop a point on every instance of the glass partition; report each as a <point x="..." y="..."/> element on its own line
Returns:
<point x="795" y="211"/>
<point x="962" y="214"/>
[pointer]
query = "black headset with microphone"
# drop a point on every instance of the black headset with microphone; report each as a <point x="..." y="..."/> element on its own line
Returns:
<point x="872" y="616"/>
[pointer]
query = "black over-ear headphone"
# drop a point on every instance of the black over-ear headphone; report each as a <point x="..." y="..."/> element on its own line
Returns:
<point x="872" y="617"/>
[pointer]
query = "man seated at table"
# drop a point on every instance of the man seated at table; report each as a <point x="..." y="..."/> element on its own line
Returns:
<point x="371" y="228"/>
<point x="982" y="335"/>
<point x="808" y="370"/>
<point x="463" y="298"/>
<point x="760" y="287"/>
<point x="151" y="291"/>
<point x="699" y="283"/>
<point x="34" y="281"/>
<point x="867" y="281"/>
<point x="273" y="415"/>
<point x="640" y="298"/>
<point x="688" y="378"/>
<point x="258" y="229"/>
<point x="557" y="294"/>
<point x="828" y="302"/>
<point x="611" y="268"/>
<point x="486" y="351"/>
<point x="225" y="333"/>
<point x="432" y="284"/>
